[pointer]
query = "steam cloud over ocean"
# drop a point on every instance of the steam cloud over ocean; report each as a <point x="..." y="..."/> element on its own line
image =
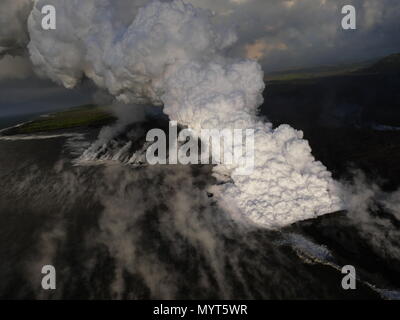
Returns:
<point x="171" y="54"/>
<point x="115" y="227"/>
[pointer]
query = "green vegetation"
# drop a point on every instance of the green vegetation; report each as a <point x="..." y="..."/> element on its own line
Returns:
<point x="87" y="115"/>
<point x="386" y="65"/>
<point x="389" y="64"/>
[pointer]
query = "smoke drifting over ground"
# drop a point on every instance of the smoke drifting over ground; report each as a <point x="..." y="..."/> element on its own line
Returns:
<point x="118" y="231"/>
<point x="375" y="213"/>
<point x="139" y="233"/>
<point x="171" y="54"/>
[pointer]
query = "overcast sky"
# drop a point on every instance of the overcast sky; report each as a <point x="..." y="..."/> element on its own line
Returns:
<point x="285" y="34"/>
<point x="280" y="34"/>
<point x="21" y="92"/>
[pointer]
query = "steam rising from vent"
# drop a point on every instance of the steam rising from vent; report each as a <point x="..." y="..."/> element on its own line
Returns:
<point x="13" y="31"/>
<point x="170" y="54"/>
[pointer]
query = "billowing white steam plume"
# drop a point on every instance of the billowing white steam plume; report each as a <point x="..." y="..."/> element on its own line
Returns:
<point x="171" y="54"/>
<point x="13" y="31"/>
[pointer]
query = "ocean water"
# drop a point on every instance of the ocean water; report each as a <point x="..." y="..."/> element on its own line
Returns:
<point x="9" y="121"/>
<point x="115" y="231"/>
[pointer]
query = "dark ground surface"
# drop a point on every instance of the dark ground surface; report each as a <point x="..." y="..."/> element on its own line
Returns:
<point x="144" y="233"/>
<point x="337" y="115"/>
<point x="118" y="232"/>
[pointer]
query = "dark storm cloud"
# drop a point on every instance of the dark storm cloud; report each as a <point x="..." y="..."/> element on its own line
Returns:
<point x="294" y="33"/>
<point x="32" y="95"/>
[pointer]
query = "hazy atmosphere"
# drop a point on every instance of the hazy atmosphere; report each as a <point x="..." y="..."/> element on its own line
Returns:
<point x="112" y="177"/>
<point x="281" y="35"/>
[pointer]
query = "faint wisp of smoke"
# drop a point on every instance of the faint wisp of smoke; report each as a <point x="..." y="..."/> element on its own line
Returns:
<point x="375" y="213"/>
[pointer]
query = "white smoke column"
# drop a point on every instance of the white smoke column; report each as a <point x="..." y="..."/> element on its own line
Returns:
<point x="171" y="54"/>
<point x="13" y="30"/>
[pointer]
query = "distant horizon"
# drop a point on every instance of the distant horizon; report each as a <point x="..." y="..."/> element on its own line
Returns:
<point x="333" y="65"/>
<point x="78" y="94"/>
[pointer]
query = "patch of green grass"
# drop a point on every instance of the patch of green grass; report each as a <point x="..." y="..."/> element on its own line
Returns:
<point x="386" y="65"/>
<point x="82" y="116"/>
<point x="389" y="64"/>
